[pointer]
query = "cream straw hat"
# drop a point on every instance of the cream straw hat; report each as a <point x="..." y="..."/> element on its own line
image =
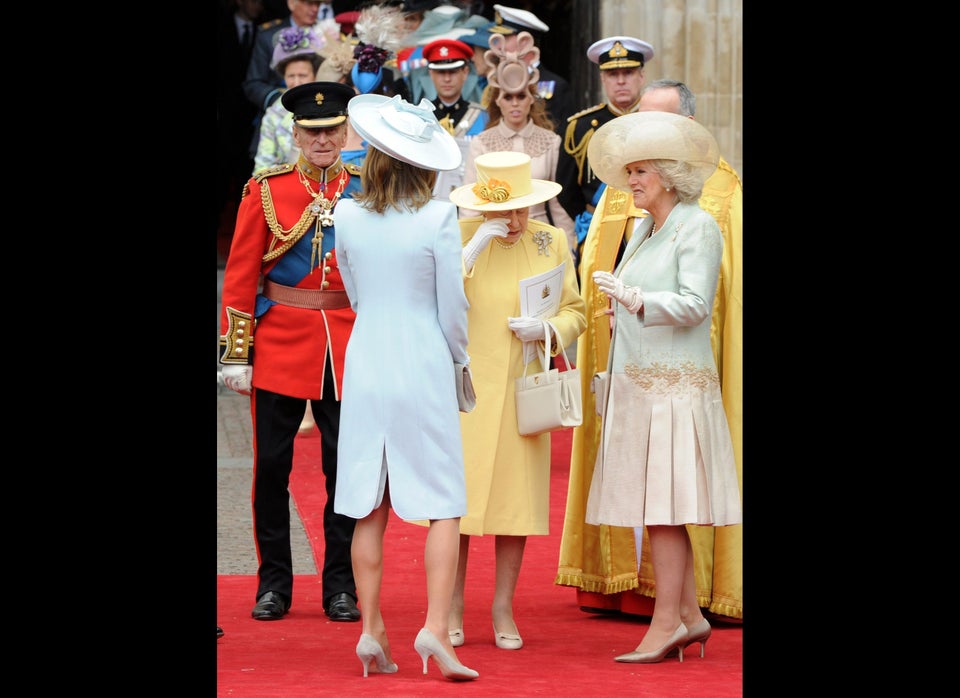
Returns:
<point x="650" y="135"/>
<point x="503" y="184"/>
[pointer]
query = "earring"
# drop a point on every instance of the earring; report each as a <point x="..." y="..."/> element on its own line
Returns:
<point x="668" y="188"/>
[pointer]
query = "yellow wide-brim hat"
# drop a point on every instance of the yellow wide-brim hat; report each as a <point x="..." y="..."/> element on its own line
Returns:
<point x="503" y="184"/>
<point x="650" y="135"/>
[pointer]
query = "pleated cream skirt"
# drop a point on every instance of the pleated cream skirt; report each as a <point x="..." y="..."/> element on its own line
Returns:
<point x="664" y="460"/>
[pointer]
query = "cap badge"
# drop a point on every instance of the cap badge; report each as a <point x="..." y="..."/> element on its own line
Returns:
<point x="319" y="98"/>
<point x="618" y="51"/>
<point x="444" y="51"/>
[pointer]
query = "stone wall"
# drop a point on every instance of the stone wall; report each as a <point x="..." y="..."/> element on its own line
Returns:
<point x="697" y="41"/>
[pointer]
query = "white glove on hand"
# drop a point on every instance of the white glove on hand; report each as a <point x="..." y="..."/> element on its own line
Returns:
<point x="238" y="378"/>
<point x="630" y="296"/>
<point x="493" y="228"/>
<point x="527" y="329"/>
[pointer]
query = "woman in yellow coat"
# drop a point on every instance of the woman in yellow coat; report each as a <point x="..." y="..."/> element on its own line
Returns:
<point x="508" y="475"/>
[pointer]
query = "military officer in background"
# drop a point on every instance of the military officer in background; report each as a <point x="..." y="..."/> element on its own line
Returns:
<point x="621" y="60"/>
<point x="449" y="63"/>
<point x="285" y="344"/>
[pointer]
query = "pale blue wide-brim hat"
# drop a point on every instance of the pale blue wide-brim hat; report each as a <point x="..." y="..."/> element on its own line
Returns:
<point x="404" y="131"/>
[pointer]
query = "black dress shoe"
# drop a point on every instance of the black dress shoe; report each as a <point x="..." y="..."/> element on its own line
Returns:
<point x="270" y="606"/>
<point x="343" y="607"/>
<point x="219" y="632"/>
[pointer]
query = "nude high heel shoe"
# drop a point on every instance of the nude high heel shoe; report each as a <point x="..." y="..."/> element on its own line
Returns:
<point x="368" y="649"/>
<point x="456" y="637"/>
<point x="699" y="632"/>
<point x="676" y="640"/>
<point x="506" y="641"/>
<point x="426" y="645"/>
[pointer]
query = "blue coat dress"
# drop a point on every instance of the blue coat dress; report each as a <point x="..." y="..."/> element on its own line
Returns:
<point x="399" y="419"/>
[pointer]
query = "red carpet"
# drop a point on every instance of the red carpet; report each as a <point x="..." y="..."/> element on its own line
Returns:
<point x="565" y="652"/>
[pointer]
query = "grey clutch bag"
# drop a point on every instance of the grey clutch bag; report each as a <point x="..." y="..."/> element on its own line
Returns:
<point x="466" y="397"/>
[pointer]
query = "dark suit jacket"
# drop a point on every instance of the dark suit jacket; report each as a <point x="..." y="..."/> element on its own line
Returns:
<point x="579" y="186"/>
<point x="235" y="113"/>
<point x="263" y="84"/>
<point x="556" y="91"/>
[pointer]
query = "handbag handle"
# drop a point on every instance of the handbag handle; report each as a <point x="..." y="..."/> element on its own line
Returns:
<point x="563" y="349"/>
<point x="547" y="326"/>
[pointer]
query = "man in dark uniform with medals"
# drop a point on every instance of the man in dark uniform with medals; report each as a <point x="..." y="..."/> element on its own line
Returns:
<point x="621" y="60"/>
<point x="285" y="343"/>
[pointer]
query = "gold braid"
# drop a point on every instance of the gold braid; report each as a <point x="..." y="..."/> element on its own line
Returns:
<point x="288" y="237"/>
<point x="578" y="151"/>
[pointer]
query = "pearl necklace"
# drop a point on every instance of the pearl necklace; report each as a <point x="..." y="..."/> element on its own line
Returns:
<point x="507" y="247"/>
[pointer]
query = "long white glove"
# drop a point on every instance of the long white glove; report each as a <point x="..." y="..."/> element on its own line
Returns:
<point x="493" y="228"/>
<point x="630" y="296"/>
<point x="238" y="378"/>
<point x="527" y="329"/>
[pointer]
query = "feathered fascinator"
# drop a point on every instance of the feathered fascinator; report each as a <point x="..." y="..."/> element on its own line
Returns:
<point x="380" y="30"/>
<point x="338" y="61"/>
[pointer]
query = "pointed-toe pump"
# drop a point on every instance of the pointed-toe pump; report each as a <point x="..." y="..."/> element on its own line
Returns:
<point x="428" y="645"/>
<point x="676" y="641"/>
<point x="369" y="650"/>
<point x="699" y="632"/>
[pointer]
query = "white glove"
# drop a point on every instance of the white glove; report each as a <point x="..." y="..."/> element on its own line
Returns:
<point x="527" y="329"/>
<point x="630" y="296"/>
<point x="493" y="228"/>
<point x="238" y="378"/>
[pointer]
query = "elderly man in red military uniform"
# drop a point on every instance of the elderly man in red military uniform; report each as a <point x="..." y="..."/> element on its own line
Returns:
<point x="284" y="328"/>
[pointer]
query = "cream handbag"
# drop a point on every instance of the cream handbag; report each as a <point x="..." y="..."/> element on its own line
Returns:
<point x="549" y="399"/>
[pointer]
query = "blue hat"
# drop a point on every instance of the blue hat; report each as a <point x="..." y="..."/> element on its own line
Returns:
<point x="480" y="36"/>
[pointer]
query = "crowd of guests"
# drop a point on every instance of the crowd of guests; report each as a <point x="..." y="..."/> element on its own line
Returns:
<point x="411" y="164"/>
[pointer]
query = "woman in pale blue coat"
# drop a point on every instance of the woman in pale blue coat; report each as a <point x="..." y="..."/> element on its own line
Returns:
<point x="400" y="256"/>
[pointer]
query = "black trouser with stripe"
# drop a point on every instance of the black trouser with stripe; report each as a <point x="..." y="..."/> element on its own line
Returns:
<point x="276" y="420"/>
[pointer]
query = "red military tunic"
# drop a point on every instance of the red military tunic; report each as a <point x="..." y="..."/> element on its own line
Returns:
<point x="274" y="238"/>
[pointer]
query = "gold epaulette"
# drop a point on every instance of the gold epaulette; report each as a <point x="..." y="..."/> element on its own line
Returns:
<point x="238" y="340"/>
<point x="270" y="23"/>
<point x="588" y="110"/>
<point x="352" y="168"/>
<point x="275" y="170"/>
<point x="579" y="150"/>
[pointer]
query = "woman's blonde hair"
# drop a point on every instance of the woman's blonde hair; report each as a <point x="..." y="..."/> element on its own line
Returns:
<point x="389" y="182"/>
